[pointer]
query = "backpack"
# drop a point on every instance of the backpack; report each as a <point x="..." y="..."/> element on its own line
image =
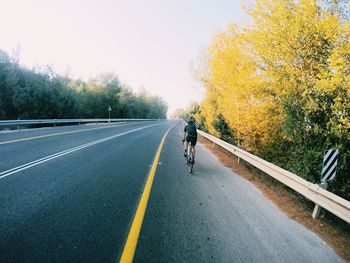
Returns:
<point x="191" y="129"/>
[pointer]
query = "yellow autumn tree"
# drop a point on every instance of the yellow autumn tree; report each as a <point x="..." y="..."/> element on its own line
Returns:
<point x="281" y="84"/>
<point x="234" y="88"/>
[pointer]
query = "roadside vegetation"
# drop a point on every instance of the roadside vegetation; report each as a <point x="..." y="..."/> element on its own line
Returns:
<point x="40" y="93"/>
<point x="279" y="87"/>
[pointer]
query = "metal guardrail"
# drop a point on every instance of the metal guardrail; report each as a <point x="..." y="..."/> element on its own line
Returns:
<point x="18" y="123"/>
<point x="325" y="199"/>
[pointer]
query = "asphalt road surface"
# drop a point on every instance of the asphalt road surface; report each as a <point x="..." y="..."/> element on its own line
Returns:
<point x="69" y="194"/>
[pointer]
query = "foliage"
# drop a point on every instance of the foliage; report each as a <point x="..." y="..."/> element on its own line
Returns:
<point x="281" y="85"/>
<point x="178" y="113"/>
<point x="194" y="111"/>
<point x="41" y="93"/>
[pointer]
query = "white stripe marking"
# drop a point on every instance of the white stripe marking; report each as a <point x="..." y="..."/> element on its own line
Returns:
<point x="330" y="171"/>
<point x="330" y="161"/>
<point x="59" y="154"/>
<point x="327" y="154"/>
<point x="61" y="133"/>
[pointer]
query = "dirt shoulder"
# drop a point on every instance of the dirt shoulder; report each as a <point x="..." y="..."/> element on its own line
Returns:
<point x="331" y="229"/>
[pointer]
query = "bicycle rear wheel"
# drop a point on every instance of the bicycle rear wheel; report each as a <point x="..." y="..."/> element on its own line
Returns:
<point x="190" y="167"/>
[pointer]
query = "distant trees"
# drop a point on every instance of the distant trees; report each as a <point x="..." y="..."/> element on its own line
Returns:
<point x="95" y="96"/>
<point x="280" y="87"/>
<point x="41" y="93"/>
<point x="178" y="113"/>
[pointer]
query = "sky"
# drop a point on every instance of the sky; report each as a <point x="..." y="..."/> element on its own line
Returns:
<point x="149" y="44"/>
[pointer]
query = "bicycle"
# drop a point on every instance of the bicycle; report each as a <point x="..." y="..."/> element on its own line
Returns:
<point x="189" y="158"/>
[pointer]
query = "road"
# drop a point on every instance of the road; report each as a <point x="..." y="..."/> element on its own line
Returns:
<point x="69" y="194"/>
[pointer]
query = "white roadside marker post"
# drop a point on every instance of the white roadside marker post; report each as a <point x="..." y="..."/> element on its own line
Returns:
<point x="109" y="114"/>
<point x="330" y="161"/>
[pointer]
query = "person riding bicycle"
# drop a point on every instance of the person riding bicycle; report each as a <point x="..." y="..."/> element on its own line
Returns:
<point x="190" y="135"/>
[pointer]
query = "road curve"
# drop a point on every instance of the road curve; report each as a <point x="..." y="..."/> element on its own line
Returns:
<point x="69" y="194"/>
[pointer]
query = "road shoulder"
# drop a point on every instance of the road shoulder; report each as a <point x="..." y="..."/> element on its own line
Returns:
<point x="334" y="231"/>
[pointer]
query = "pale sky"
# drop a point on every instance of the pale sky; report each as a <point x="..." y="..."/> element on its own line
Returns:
<point x="149" y="44"/>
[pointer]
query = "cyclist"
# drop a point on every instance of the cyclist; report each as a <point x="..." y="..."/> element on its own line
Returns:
<point x="190" y="135"/>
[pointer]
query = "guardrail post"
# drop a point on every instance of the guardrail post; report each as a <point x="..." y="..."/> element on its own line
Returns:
<point x="17" y="124"/>
<point x="317" y="208"/>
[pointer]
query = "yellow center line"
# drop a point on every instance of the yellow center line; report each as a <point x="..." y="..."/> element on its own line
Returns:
<point x="56" y="134"/>
<point x="131" y="242"/>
